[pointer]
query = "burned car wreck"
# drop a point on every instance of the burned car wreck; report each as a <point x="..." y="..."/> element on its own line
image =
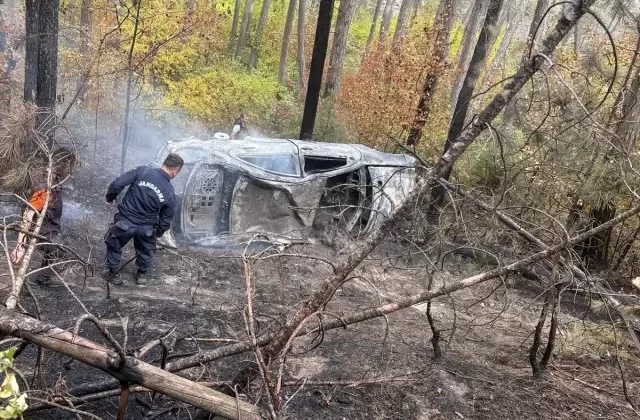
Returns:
<point x="277" y="190"/>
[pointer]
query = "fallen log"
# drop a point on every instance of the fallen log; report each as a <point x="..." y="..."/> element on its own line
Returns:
<point x="133" y="371"/>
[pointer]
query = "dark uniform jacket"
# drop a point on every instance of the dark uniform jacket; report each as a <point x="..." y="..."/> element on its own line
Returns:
<point x="150" y="200"/>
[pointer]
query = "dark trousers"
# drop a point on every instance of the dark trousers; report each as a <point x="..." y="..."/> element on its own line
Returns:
<point x="51" y="254"/>
<point x="144" y="242"/>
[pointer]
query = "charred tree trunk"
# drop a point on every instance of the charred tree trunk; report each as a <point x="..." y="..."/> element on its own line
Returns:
<point x="245" y="27"/>
<point x="478" y="13"/>
<point x="372" y="31"/>
<point x="233" y="38"/>
<point x="386" y="21"/>
<point x="47" y="61"/>
<point x="442" y="26"/>
<point x="464" y="99"/>
<point x="262" y="22"/>
<point x="346" y="12"/>
<point x="286" y="40"/>
<point x="316" y="69"/>
<point x="32" y="34"/>
<point x="403" y="22"/>
<point x="302" y="12"/>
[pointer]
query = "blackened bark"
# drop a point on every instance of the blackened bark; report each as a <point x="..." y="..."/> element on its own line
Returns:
<point x="47" y="79"/>
<point x="32" y="32"/>
<point x="442" y="26"/>
<point x="346" y="12"/>
<point x="286" y="40"/>
<point x="464" y="100"/>
<point x="316" y="69"/>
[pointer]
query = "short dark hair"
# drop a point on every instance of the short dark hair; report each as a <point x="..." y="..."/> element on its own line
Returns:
<point x="173" y="161"/>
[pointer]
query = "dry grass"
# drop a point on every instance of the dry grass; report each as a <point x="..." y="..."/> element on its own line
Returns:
<point x="27" y="139"/>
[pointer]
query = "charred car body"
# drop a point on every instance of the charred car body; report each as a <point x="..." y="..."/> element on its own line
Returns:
<point x="233" y="190"/>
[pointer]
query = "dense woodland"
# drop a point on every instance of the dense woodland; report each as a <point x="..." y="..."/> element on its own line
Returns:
<point x="523" y="118"/>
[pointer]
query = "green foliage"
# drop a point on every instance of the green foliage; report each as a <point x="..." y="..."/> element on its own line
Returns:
<point x="15" y="402"/>
<point x="216" y="95"/>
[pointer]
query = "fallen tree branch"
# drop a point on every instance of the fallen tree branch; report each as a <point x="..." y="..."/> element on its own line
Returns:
<point x="134" y="371"/>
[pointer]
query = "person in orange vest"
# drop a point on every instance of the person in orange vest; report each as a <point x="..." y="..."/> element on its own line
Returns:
<point x="64" y="161"/>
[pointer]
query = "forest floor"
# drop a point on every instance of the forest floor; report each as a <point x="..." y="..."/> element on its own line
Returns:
<point x="383" y="367"/>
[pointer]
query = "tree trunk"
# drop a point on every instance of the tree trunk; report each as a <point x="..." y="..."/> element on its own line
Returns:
<point x="286" y="40"/>
<point x="31" y="50"/>
<point x="624" y="116"/>
<point x="386" y="20"/>
<point x="133" y="371"/>
<point x="302" y="10"/>
<point x="316" y="69"/>
<point x="85" y="25"/>
<point x="513" y="23"/>
<point x="442" y="25"/>
<point x="346" y="12"/>
<point x="262" y="22"/>
<point x="464" y="99"/>
<point x="47" y="61"/>
<point x="7" y="64"/>
<point x="245" y="27"/>
<point x="234" y="26"/>
<point x="357" y="250"/>
<point x="478" y="13"/>
<point x="403" y="20"/>
<point x="541" y="8"/>
<point x="127" y="106"/>
<point x="577" y="40"/>
<point x="372" y="31"/>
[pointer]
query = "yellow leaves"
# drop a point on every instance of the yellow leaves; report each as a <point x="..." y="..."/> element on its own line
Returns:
<point x="9" y="390"/>
<point x="10" y="386"/>
<point x="15" y="408"/>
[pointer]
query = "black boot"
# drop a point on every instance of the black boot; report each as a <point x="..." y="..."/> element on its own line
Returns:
<point x="141" y="278"/>
<point x="112" y="276"/>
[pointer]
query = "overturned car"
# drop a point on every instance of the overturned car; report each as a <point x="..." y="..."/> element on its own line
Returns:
<point x="278" y="190"/>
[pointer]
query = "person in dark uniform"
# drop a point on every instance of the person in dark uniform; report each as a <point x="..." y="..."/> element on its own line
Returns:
<point x="144" y="215"/>
<point x="64" y="161"/>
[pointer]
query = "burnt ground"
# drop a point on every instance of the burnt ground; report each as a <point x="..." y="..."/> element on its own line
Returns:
<point x="484" y="373"/>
